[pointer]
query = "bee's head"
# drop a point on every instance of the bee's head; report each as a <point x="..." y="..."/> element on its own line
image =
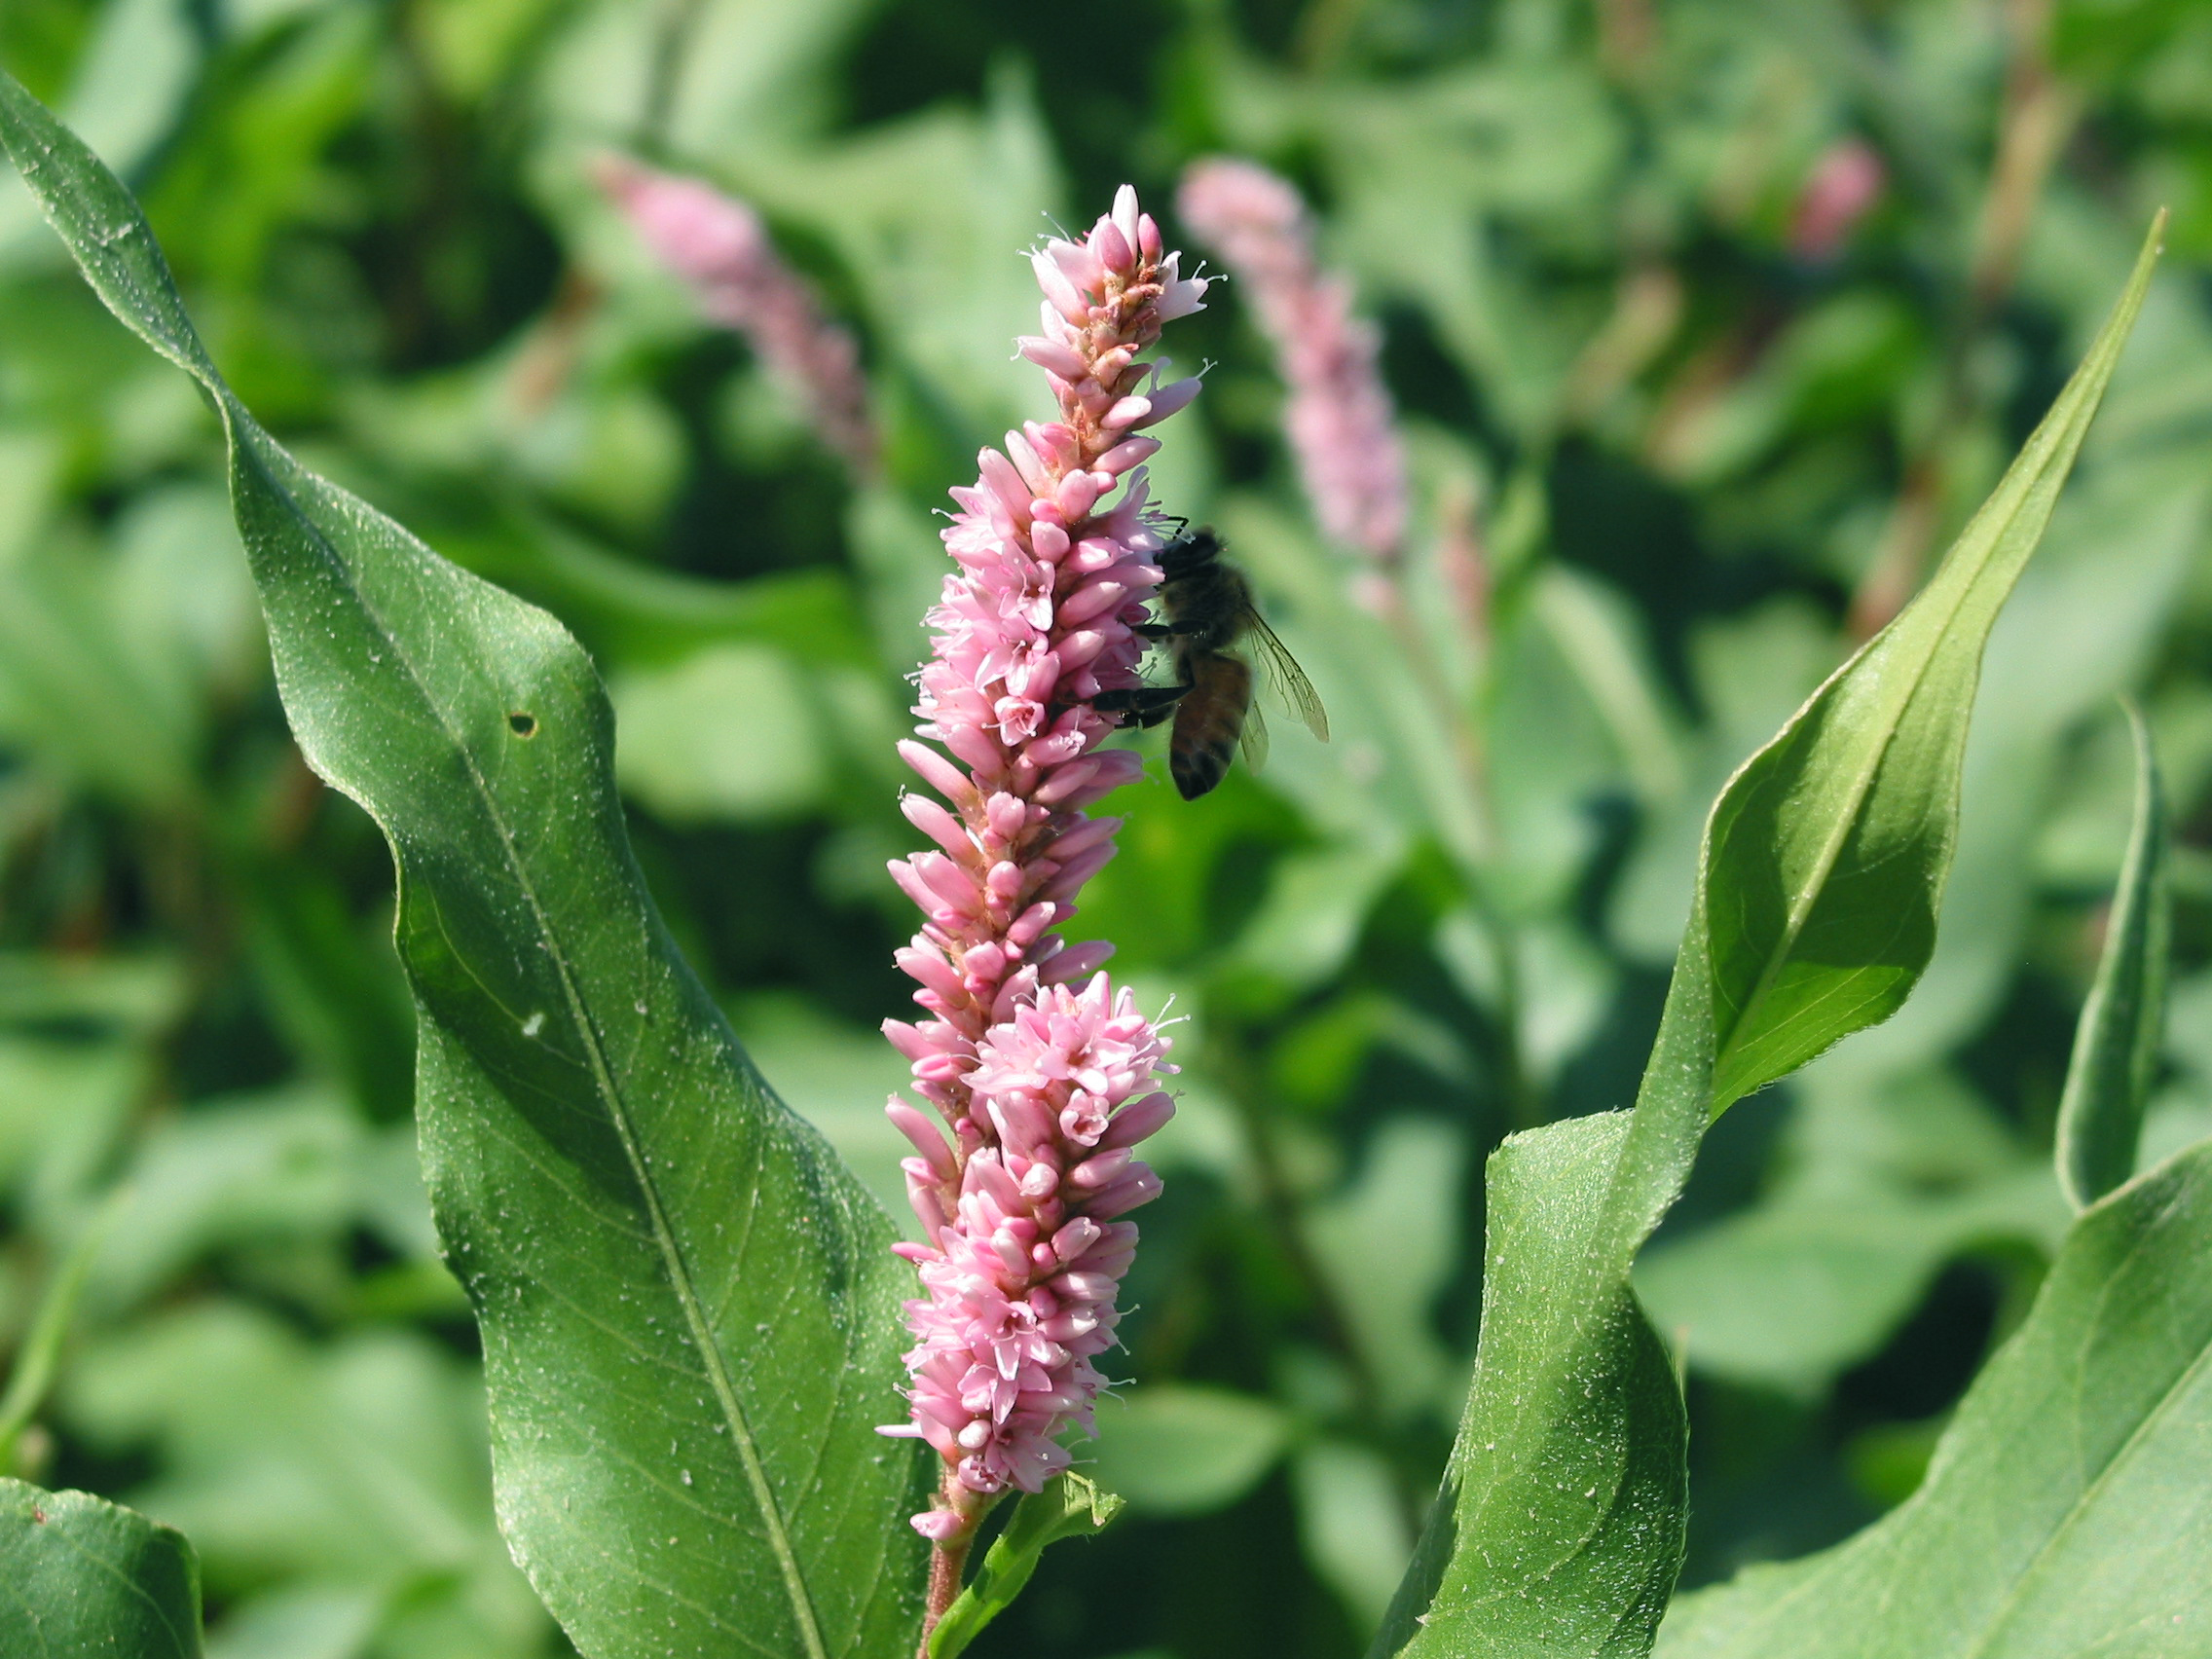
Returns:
<point x="1190" y="551"/>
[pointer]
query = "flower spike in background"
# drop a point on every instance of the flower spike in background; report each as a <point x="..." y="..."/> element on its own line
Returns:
<point x="1340" y="419"/>
<point x="1041" y="1072"/>
<point x="718" y="248"/>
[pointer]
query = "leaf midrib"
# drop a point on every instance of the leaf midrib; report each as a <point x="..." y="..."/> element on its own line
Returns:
<point x="236" y="418"/>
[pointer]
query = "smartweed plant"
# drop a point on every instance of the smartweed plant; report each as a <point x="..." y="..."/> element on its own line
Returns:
<point x="699" y="1328"/>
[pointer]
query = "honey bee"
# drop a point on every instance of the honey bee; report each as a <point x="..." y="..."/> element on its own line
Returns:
<point x="1211" y="623"/>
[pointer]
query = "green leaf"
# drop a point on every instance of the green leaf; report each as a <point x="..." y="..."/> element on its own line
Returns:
<point x="1815" y="910"/>
<point x="356" y="1462"/>
<point x="1565" y="1541"/>
<point x="2069" y="1506"/>
<point x="1176" y="1449"/>
<point x="80" y="1577"/>
<point x="1352" y="1525"/>
<point x="1825" y="856"/>
<point x="1069" y="1507"/>
<point x="2116" y="1044"/>
<point x="1790" y="1292"/>
<point x="689" y="1311"/>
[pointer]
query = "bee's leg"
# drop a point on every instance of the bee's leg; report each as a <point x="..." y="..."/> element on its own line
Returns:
<point x="1150" y="717"/>
<point x="1165" y="630"/>
<point x="1150" y="704"/>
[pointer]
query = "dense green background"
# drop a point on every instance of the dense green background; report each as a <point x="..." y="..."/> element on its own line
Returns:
<point x="1694" y="448"/>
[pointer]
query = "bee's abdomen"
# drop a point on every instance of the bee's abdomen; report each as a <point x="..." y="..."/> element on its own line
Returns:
<point x="1208" y="722"/>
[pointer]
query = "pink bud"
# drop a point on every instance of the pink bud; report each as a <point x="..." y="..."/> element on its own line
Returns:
<point x="1126" y="454"/>
<point x="1111" y="249"/>
<point x="1169" y="399"/>
<point x="938" y="824"/>
<point x="927" y="1139"/>
<point x="1138" y="1187"/>
<point x="1077" y="960"/>
<point x="935" y="770"/>
<point x="1096" y="1174"/>
<point x="1077" y="492"/>
<point x="1060" y="293"/>
<point x="1053" y="358"/>
<point x="1138" y="1120"/>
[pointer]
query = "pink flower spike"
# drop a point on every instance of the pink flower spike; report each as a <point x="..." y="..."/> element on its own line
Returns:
<point x="1846" y="182"/>
<point x="1338" y="419"/>
<point x="1046" y="1088"/>
<point x="718" y="246"/>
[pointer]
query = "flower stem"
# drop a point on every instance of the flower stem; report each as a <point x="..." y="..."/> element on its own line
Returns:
<point x="948" y="1557"/>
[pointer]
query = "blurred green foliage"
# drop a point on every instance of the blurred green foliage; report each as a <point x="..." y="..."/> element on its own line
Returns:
<point x="1696" y="433"/>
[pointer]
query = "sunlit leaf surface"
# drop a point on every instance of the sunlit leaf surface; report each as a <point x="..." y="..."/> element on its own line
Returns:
<point x="690" y="1317"/>
<point x="79" y="1576"/>
<point x="1816" y="897"/>
<point x="2067" y="1509"/>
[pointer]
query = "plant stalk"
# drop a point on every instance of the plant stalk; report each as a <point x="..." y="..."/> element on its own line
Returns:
<point x="948" y="1557"/>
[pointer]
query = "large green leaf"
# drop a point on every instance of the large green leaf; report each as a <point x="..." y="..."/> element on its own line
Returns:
<point x="80" y="1577"/>
<point x="689" y="1317"/>
<point x="1815" y="910"/>
<point x="2116" y="1046"/>
<point x="1825" y="856"/>
<point x="2069" y="1507"/>
<point x="1565" y="1541"/>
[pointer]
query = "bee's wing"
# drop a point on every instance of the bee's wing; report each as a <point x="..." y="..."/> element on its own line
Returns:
<point x="1280" y="670"/>
<point x="1252" y="741"/>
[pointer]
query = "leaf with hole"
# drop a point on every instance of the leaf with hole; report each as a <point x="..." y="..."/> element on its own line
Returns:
<point x="689" y="1314"/>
